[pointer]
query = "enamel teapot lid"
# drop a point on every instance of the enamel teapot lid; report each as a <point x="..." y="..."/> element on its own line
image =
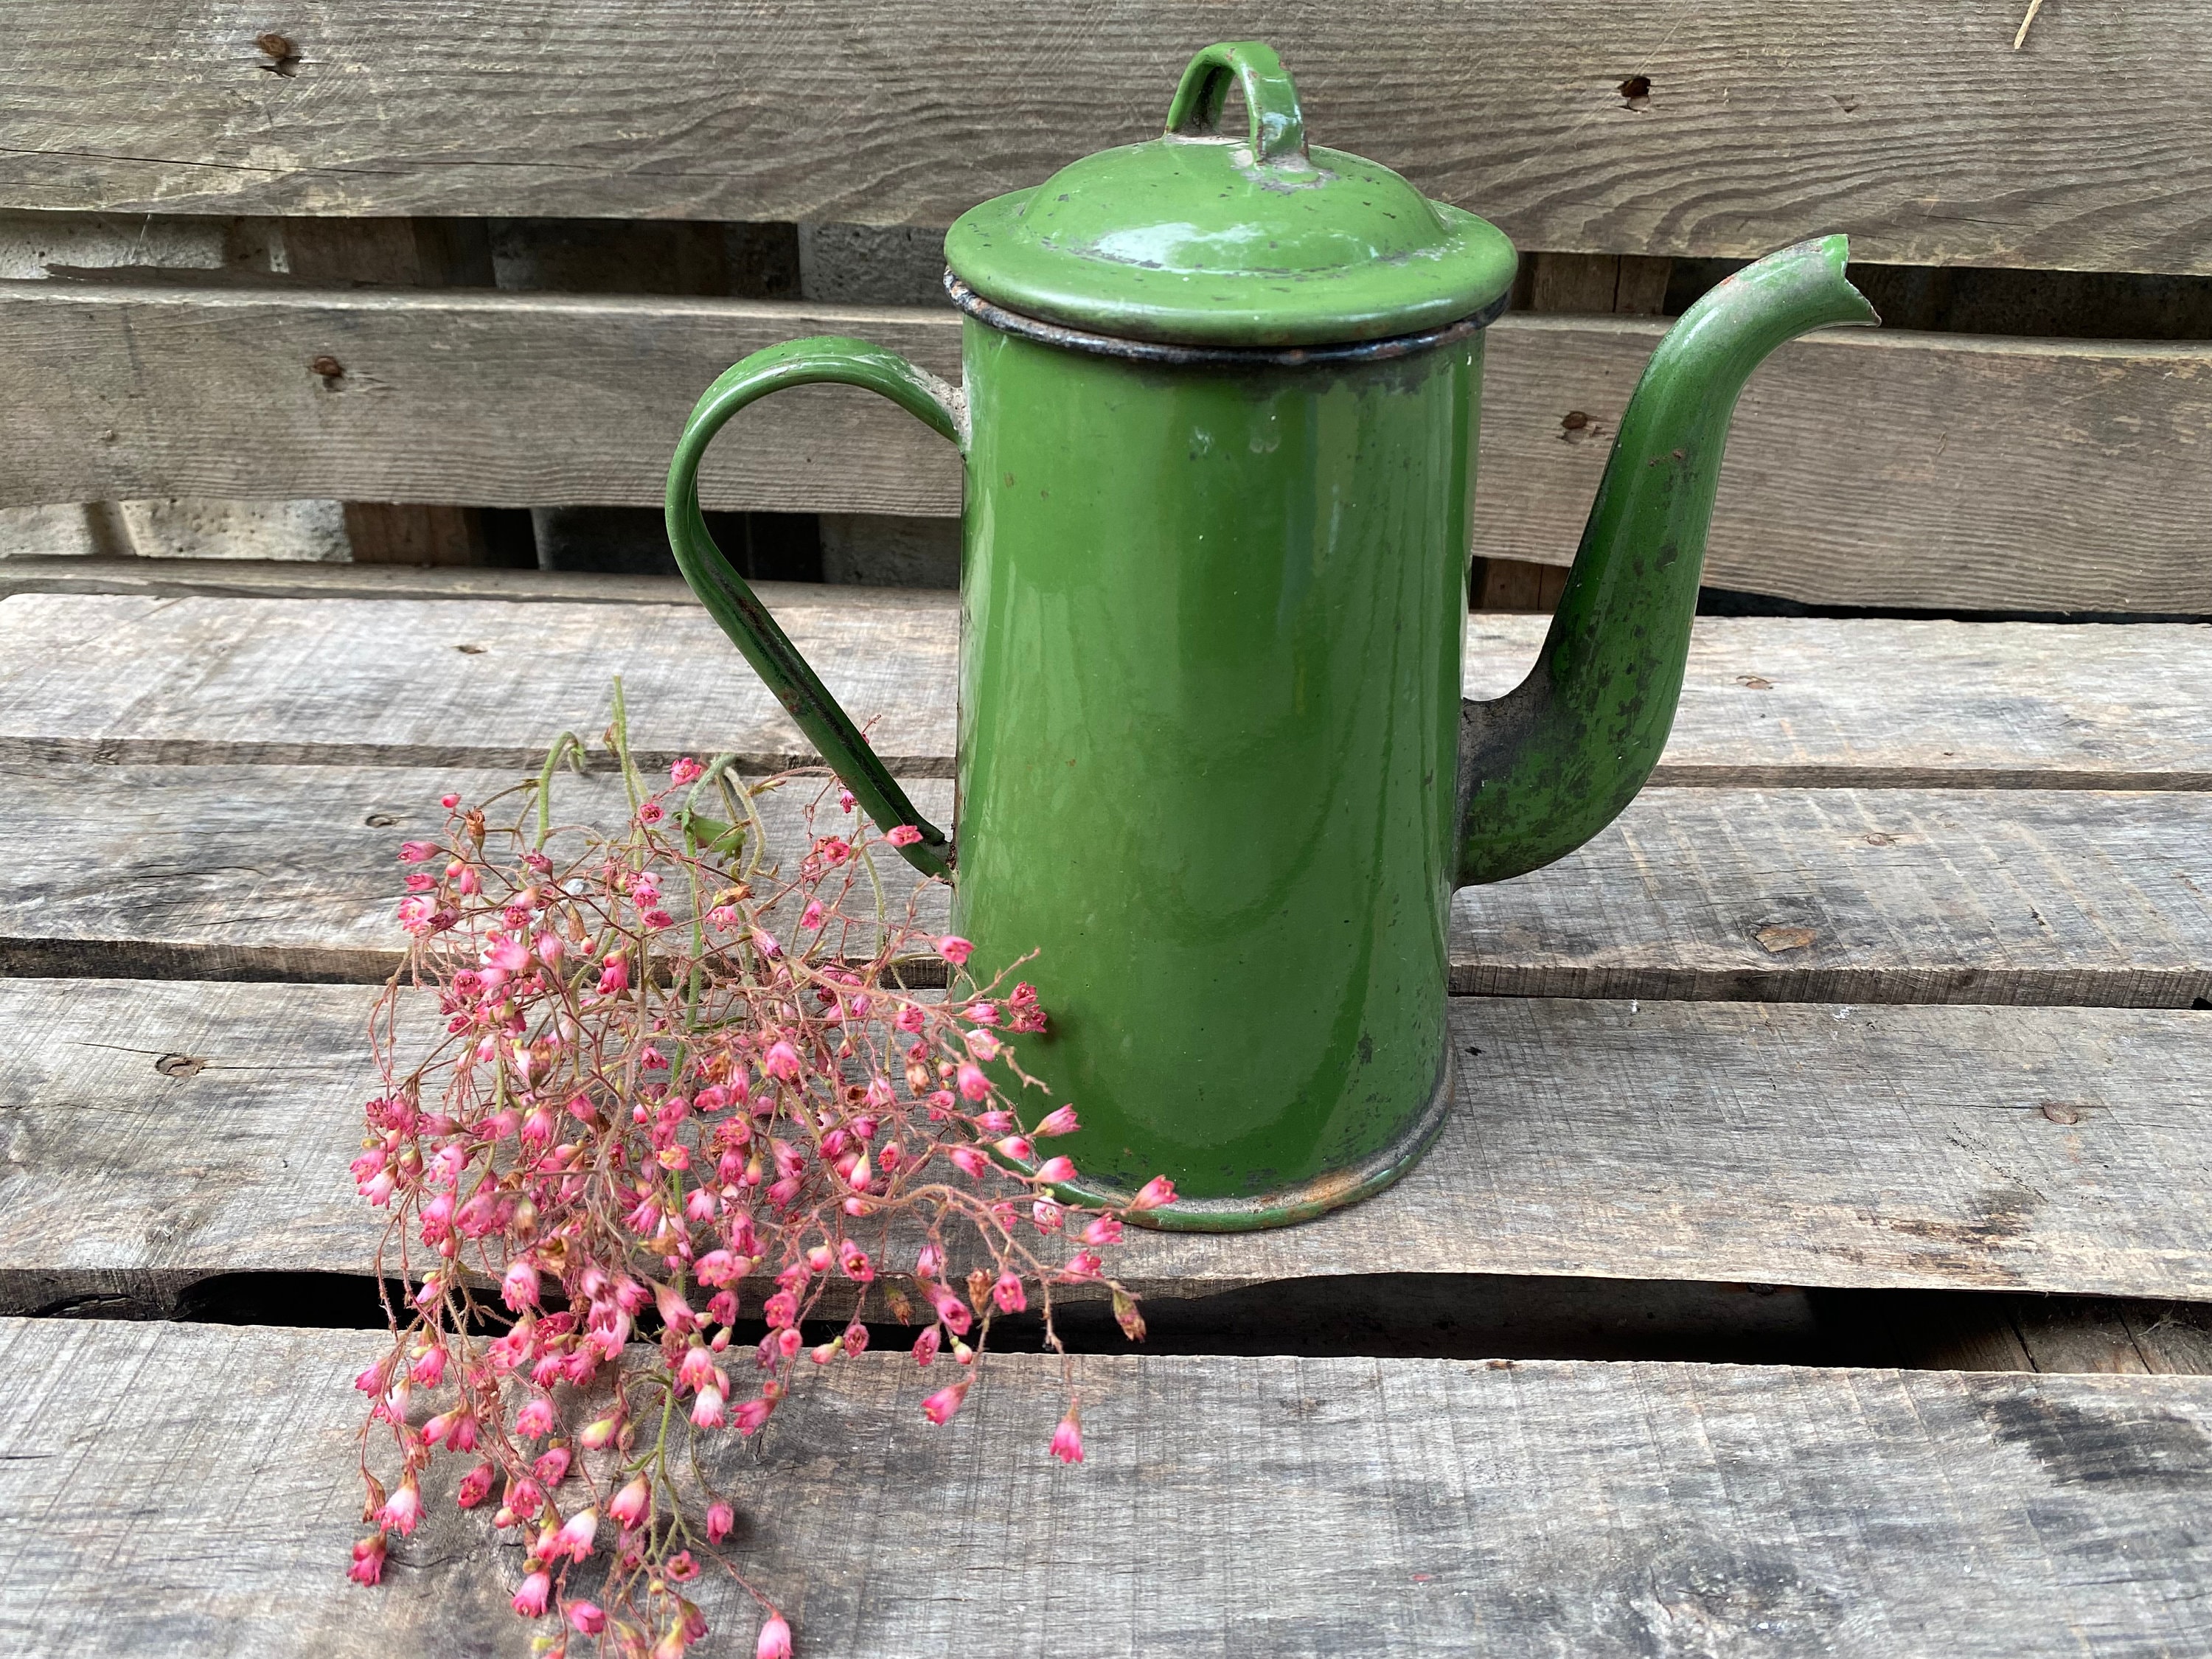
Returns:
<point x="1207" y="239"/>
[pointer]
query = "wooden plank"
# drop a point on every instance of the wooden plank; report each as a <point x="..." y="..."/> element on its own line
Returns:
<point x="1770" y="702"/>
<point x="1907" y="469"/>
<point x="1883" y="896"/>
<point x="250" y="872"/>
<point x="1862" y="896"/>
<point x="2049" y="1150"/>
<point x="488" y="398"/>
<point x="1400" y="1506"/>
<point x="1760" y="121"/>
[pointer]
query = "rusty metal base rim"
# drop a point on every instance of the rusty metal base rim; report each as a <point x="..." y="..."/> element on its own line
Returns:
<point x="1158" y="351"/>
<point x="1286" y="1206"/>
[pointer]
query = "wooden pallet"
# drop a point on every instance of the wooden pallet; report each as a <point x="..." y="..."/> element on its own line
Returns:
<point x="1819" y="1260"/>
<point x="1688" y="1172"/>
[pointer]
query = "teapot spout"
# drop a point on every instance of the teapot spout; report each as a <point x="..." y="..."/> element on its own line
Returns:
<point x="1547" y="766"/>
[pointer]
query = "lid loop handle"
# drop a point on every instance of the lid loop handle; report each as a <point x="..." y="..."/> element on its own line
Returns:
<point x="1279" y="130"/>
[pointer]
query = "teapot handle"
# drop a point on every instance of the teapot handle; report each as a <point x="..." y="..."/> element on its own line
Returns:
<point x="731" y="600"/>
<point x="1279" y="130"/>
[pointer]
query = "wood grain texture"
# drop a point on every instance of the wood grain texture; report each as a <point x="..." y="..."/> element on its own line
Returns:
<point x="1862" y="896"/>
<point x="1227" y="1506"/>
<point x="1766" y="120"/>
<point x="1886" y="896"/>
<point x="1772" y="701"/>
<point x="1905" y="470"/>
<point x="1876" y="1148"/>
<point x="250" y="872"/>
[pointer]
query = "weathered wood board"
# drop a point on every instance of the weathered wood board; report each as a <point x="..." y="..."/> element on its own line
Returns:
<point x="416" y="681"/>
<point x="1877" y="896"/>
<point x="2055" y="1151"/>
<point x="1897" y="468"/>
<point x="1763" y="121"/>
<point x="1862" y="895"/>
<point x="1279" y="1506"/>
<point x="250" y="872"/>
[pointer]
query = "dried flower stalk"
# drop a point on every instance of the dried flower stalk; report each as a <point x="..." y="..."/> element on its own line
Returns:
<point x="646" y="1106"/>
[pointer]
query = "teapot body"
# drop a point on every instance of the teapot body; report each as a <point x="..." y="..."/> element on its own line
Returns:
<point x="1212" y="608"/>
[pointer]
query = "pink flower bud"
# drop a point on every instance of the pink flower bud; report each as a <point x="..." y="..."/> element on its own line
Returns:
<point x="475" y="1486"/>
<point x="1018" y="1148"/>
<point x="971" y="1161"/>
<point x="971" y="1082"/>
<point x="403" y="1509"/>
<point x="631" y="1504"/>
<point x="940" y="1405"/>
<point x="1154" y="1193"/>
<point x="810" y="917"/>
<point x="697" y="1368"/>
<point x="614" y="977"/>
<point x="585" y="1618"/>
<point x="953" y="1311"/>
<point x="598" y="1435"/>
<point x="721" y="1518"/>
<point x="752" y="1415"/>
<point x="707" y="1410"/>
<point x="530" y="1600"/>
<point x="781" y="1062"/>
<point x="675" y="1312"/>
<point x="954" y="949"/>
<point x="1061" y="1120"/>
<point x="519" y="1289"/>
<point x="1067" y="1438"/>
<point x="574" y="1539"/>
<point x="417" y="852"/>
<point x="550" y="948"/>
<point x="368" y="1566"/>
<point x="1056" y="1169"/>
<point x="1084" y="1264"/>
<point x="765" y="943"/>
<point x="925" y="1346"/>
<point x="774" y="1641"/>
<point x="1105" y="1230"/>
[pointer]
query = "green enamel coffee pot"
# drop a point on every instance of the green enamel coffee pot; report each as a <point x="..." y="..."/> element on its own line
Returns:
<point x="1218" y="416"/>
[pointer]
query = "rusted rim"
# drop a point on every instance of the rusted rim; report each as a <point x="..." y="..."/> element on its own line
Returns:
<point x="1154" y="351"/>
<point x="1287" y="1205"/>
